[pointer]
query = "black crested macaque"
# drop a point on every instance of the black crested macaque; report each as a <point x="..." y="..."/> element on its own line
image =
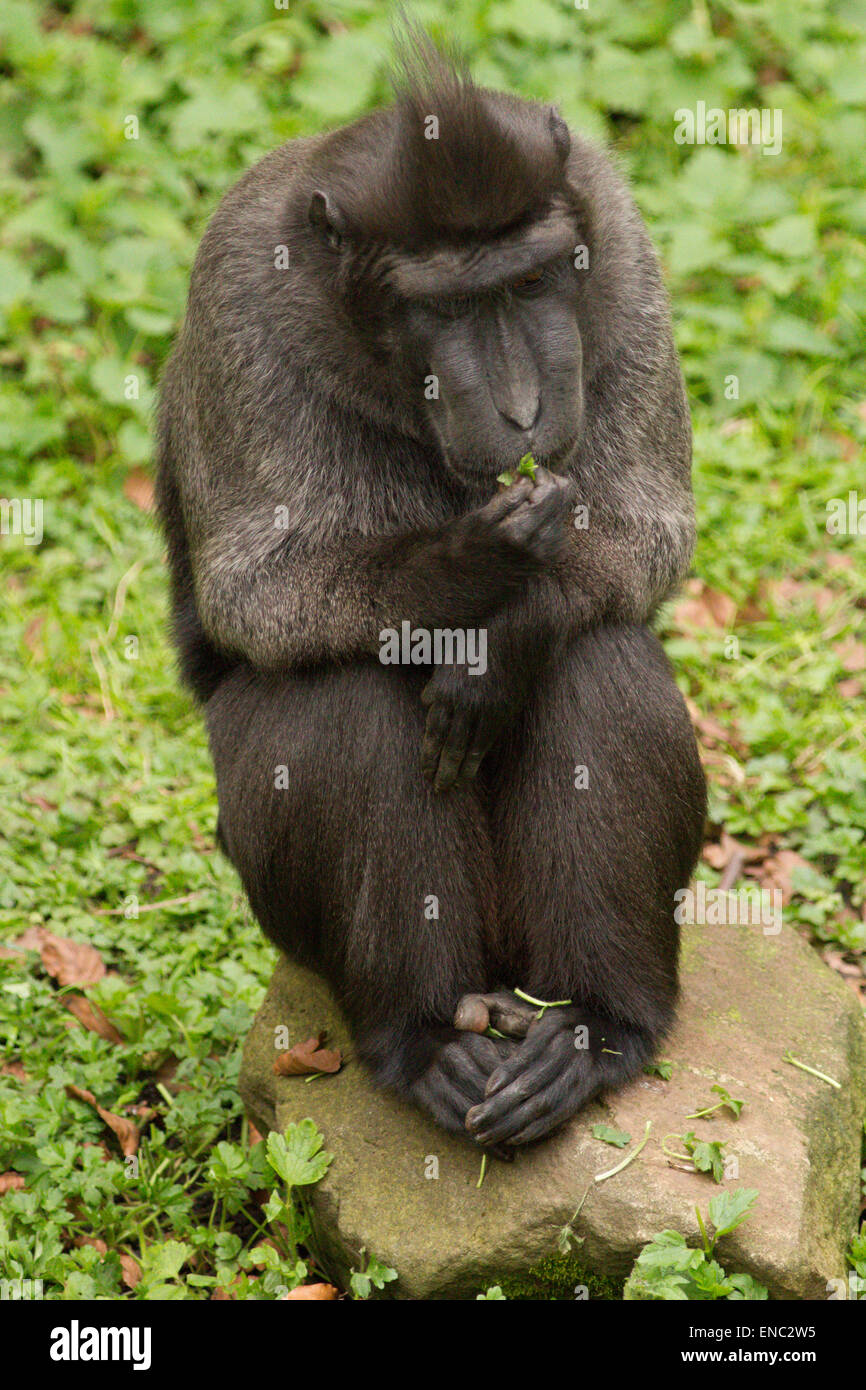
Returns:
<point x="382" y="320"/>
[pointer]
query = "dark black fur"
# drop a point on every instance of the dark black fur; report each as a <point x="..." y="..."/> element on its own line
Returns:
<point x="301" y="393"/>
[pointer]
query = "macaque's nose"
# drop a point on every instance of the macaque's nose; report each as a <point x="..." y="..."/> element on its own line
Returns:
<point x="521" y="409"/>
<point x="513" y="377"/>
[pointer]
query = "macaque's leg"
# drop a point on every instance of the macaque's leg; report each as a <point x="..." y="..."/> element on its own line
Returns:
<point x="356" y="867"/>
<point x="597" y="813"/>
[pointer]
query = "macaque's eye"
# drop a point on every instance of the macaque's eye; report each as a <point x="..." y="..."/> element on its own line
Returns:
<point x="532" y="280"/>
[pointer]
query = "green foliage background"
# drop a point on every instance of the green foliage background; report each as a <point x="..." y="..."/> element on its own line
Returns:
<point x="766" y="265"/>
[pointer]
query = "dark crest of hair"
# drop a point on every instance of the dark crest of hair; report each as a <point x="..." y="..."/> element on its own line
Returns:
<point x="461" y="161"/>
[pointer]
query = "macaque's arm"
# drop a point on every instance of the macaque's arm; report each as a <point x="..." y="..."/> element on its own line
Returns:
<point x="280" y="605"/>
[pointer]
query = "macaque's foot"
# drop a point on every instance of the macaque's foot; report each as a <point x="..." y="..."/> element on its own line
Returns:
<point x="457" y="1079"/>
<point x="502" y="1011"/>
<point x="566" y="1057"/>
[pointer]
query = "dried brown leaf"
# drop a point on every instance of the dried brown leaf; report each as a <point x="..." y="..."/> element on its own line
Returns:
<point x="705" y="608"/>
<point x="91" y="1017"/>
<point x="71" y="962"/>
<point x="96" y="1242"/>
<point x="30" y="940"/>
<point x="138" y="487"/>
<point x="127" y="1133"/>
<point x="308" y="1057"/>
<point x="852" y="654"/>
<point x="312" y="1291"/>
<point x="776" y="871"/>
<point x="130" y="1270"/>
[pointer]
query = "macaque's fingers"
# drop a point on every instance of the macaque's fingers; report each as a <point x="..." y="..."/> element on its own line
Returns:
<point x="445" y="1103"/>
<point x="561" y="1105"/>
<point x="560" y="482"/>
<point x="488" y="728"/>
<point x="465" y="1070"/>
<point x="528" y="1071"/>
<point x="501" y="1129"/>
<point x="531" y="1050"/>
<point x="455" y="1082"/>
<point x="490" y="1053"/>
<point x="502" y="504"/>
<point x="478" y="746"/>
<point x="547" y="1110"/>
<point x="442" y="1098"/>
<point x="435" y="734"/>
<point x="453" y="750"/>
<point x="539" y="524"/>
<point x="553" y="1085"/>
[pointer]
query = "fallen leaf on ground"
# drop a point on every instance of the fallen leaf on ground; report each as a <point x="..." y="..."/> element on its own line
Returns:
<point x="138" y="488"/>
<point x="838" y="560"/>
<point x="130" y="1268"/>
<point x="852" y="654"/>
<point x="11" y="1182"/>
<point x="95" y="1242"/>
<point x="776" y="871"/>
<point x="71" y="962"/>
<point x="91" y="1017"/>
<point x="312" y="1291"/>
<point x="131" y="1271"/>
<point x="143" y="1112"/>
<point x="307" y="1057"/>
<point x="837" y="962"/>
<point x="711" y="733"/>
<point x="719" y="856"/>
<point x="30" y="940"/>
<point x="789" y="592"/>
<point x="127" y="1133"/>
<point x="704" y="608"/>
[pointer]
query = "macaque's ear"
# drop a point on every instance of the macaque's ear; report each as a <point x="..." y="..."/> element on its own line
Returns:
<point x="326" y="219"/>
<point x="560" y="132"/>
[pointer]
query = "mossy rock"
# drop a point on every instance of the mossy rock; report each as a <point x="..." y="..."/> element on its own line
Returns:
<point x="409" y="1193"/>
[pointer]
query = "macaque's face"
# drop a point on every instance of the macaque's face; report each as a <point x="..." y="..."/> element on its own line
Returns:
<point x="497" y="363"/>
<point x="460" y="261"/>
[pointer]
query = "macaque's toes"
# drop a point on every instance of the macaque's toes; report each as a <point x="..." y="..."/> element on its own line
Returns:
<point x="472" y="1015"/>
<point x="501" y="1011"/>
<point x="510" y="1015"/>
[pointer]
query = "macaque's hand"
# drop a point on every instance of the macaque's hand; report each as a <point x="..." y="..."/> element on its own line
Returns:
<point x="466" y="712"/>
<point x="465" y="715"/>
<point x="533" y="516"/>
